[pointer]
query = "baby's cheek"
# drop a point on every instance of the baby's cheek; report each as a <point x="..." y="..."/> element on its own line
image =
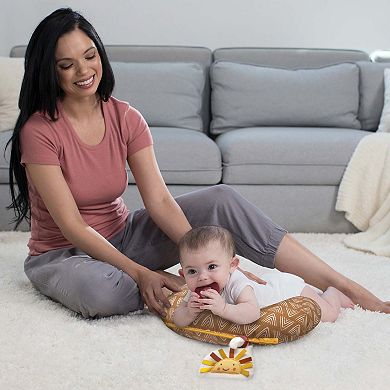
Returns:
<point x="191" y="285"/>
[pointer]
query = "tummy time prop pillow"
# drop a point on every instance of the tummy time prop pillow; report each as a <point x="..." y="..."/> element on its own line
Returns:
<point x="287" y="321"/>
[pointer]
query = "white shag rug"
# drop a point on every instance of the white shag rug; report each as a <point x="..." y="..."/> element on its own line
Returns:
<point x="44" y="346"/>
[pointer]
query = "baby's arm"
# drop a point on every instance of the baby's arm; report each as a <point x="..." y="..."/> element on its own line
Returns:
<point x="244" y="311"/>
<point x="187" y="311"/>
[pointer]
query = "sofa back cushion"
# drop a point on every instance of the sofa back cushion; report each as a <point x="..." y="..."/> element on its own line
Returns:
<point x="249" y="95"/>
<point x="11" y="76"/>
<point x="167" y="94"/>
<point x="169" y="54"/>
<point x="371" y="93"/>
<point x="289" y="58"/>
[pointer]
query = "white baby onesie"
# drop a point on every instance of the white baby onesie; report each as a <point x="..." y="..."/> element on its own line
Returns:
<point x="280" y="286"/>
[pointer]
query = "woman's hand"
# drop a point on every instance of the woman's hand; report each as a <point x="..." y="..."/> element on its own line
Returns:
<point x="251" y="276"/>
<point x="151" y="284"/>
<point x="178" y="281"/>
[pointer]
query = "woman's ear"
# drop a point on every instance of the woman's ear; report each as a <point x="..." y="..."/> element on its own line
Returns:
<point x="234" y="263"/>
<point x="181" y="273"/>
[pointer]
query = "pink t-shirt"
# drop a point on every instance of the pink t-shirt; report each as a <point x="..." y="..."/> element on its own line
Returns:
<point x="96" y="175"/>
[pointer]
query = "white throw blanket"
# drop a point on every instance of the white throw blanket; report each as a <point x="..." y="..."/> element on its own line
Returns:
<point x="364" y="195"/>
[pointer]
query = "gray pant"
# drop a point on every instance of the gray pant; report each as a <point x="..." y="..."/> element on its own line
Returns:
<point x="95" y="288"/>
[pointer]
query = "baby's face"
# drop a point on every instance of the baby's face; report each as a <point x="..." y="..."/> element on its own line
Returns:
<point x="207" y="265"/>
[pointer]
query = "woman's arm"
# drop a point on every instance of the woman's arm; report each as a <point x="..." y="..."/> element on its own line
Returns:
<point x="55" y="193"/>
<point x="252" y="276"/>
<point x="161" y="205"/>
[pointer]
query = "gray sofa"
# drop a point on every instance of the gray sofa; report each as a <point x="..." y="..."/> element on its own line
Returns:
<point x="278" y="125"/>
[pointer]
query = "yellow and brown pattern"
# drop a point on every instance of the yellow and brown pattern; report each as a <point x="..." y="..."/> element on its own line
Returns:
<point x="287" y="321"/>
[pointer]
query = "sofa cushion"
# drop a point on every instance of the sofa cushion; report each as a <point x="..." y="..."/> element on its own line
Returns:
<point x="167" y="94"/>
<point x="248" y="95"/>
<point x="4" y="156"/>
<point x="11" y="76"/>
<point x="371" y="93"/>
<point x="287" y="57"/>
<point x="186" y="157"/>
<point x="281" y="155"/>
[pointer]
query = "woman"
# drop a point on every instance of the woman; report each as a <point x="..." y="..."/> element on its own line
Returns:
<point x="69" y="152"/>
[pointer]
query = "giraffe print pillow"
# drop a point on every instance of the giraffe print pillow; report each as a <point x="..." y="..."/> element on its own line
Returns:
<point x="285" y="321"/>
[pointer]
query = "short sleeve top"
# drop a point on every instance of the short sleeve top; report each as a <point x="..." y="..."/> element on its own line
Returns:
<point x="95" y="174"/>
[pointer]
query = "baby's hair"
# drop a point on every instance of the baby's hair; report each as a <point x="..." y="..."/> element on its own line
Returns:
<point x="199" y="237"/>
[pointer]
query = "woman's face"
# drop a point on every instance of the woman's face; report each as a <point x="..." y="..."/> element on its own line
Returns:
<point x="78" y="65"/>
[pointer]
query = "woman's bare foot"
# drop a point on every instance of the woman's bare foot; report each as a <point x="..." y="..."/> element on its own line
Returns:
<point x="364" y="298"/>
<point x="374" y="305"/>
<point x="385" y="307"/>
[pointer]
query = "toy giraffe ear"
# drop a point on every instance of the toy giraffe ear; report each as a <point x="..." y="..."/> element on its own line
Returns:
<point x="181" y="273"/>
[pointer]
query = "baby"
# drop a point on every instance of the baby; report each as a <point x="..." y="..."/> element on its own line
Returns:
<point x="209" y="266"/>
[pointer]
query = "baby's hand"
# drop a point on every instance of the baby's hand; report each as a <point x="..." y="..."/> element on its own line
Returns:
<point x="212" y="301"/>
<point x="193" y="304"/>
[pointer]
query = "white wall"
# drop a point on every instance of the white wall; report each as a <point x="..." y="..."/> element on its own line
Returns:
<point x="353" y="24"/>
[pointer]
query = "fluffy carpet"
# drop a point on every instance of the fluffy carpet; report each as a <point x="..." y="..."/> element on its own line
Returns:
<point x="44" y="346"/>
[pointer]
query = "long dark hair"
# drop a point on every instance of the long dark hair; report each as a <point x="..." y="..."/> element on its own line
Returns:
<point x="40" y="91"/>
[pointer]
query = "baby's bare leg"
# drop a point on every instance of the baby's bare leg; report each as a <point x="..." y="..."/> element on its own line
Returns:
<point x="345" y="302"/>
<point x="330" y="302"/>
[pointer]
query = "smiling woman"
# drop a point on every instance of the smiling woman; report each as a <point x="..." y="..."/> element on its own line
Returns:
<point x="79" y="70"/>
<point x="79" y="75"/>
